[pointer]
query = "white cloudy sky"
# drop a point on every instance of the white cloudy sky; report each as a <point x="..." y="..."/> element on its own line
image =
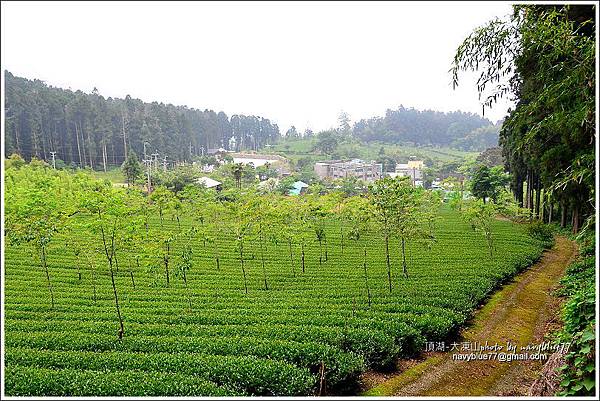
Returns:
<point x="295" y="63"/>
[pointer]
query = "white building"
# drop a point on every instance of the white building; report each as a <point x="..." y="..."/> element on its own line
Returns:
<point x="209" y="183"/>
<point x="257" y="160"/>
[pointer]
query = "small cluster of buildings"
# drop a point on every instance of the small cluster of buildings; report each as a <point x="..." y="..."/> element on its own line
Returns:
<point x="368" y="171"/>
<point x="335" y="169"/>
<point x="324" y="170"/>
<point x="412" y="169"/>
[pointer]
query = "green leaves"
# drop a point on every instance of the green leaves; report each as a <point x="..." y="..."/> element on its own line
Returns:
<point x="579" y="316"/>
<point x="260" y="343"/>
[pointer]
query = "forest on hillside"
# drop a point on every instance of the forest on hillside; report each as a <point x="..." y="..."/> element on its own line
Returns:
<point x="90" y="130"/>
<point x="464" y="131"/>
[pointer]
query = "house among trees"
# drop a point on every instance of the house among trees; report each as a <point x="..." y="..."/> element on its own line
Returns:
<point x="335" y="169"/>
<point x="274" y="162"/>
<point x="298" y="188"/>
<point x="209" y="183"/>
<point x="412" y="169"/>
<point x="257" y="160"/>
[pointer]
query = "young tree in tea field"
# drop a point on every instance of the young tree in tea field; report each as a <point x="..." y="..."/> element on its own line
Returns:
<point x="82" y="254"/>
<point x="240" y="222"/>
<point x="185" y="262"/>
<point x="332" y="203"/>
<point x="429" y="206"/>
<point x="286" y="224"/>
<point x="132" y="237"/>
<point x="358" y="212"/>
<point x="131" y="168"/>
<point x="177" y="210"/>
<point x="214" y="217"/>
<point x="318" y="214"/>
<point x="481" y="215"/>
<point x="406" y="215"/>
<point x="383" y="197"/>
<point x="109" y="216"/>
<point x="34" y="214"/>
<point x="303" y="219"/>
<point x="260" y="207"/>
<point x="162" y="199"/>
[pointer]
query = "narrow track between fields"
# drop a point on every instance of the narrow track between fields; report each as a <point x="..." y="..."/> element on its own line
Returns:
<point x="521" y="312"/>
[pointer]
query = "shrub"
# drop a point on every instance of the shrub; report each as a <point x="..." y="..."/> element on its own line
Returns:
<point x="540" y="231"/>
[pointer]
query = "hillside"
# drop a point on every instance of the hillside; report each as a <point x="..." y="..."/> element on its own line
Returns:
<point x="90" y="130"/>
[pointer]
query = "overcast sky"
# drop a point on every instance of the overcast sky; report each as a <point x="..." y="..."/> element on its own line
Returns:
<point x="295" y="63"/>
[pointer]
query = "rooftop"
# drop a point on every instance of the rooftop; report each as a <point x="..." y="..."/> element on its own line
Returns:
<point x="208" y="182"/>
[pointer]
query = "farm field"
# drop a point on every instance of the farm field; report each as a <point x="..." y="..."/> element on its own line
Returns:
<point x="312" y="331"/>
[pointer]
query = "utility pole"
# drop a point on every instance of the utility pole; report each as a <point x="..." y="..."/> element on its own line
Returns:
<point x="145" y="143"/>
<point x="155" y="157"/>
<point x="191" y="155"/>
<point x="165" y="164"/>
<point x="148" y="164"/>
<point x="53" y="159"/>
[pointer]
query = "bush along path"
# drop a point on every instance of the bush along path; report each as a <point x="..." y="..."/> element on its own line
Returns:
<point x="573" y="372"/>
<point x="520" y="313"/>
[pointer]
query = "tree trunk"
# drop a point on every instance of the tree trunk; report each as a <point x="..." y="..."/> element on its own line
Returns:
<point x="404" y="269"/>
<point x="166" y="259"/>
<point x="89" y="140"/>
<point x="563" y="214"/>
<point x="550" y="211"/>
<point x="576" y="218"/>
<point x="291" y="257"/>
<point x="242" y="264"/>
<point x="538" y="197"/>
<point x="45" y="266"/>
<point x="528" y="187"/>
<point x="519" y="190"/>
<point x="320" y="252"/>
<point x="104" y="156"/>
<point x="531" y="188"/>
<point x="114" y="286"/>
<point x="81" y="161"/>
<point x="17" y="137"/>
<point x="124" y="135"/>
<point x="387" y="261"/>
<point x="216" y="253"/>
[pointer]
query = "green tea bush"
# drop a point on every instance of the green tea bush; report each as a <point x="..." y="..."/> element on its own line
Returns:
<point x="540" y="231"/>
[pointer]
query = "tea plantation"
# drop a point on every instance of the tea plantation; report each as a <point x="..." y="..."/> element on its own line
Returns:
<point x="310" y="332"/>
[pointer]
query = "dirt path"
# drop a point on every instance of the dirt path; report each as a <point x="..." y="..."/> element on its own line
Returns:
<point x="521" y="312"/>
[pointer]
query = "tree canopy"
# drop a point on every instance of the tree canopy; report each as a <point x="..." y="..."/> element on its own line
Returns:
<point x="90" y="130"/>
<point x="543" y="57"/>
